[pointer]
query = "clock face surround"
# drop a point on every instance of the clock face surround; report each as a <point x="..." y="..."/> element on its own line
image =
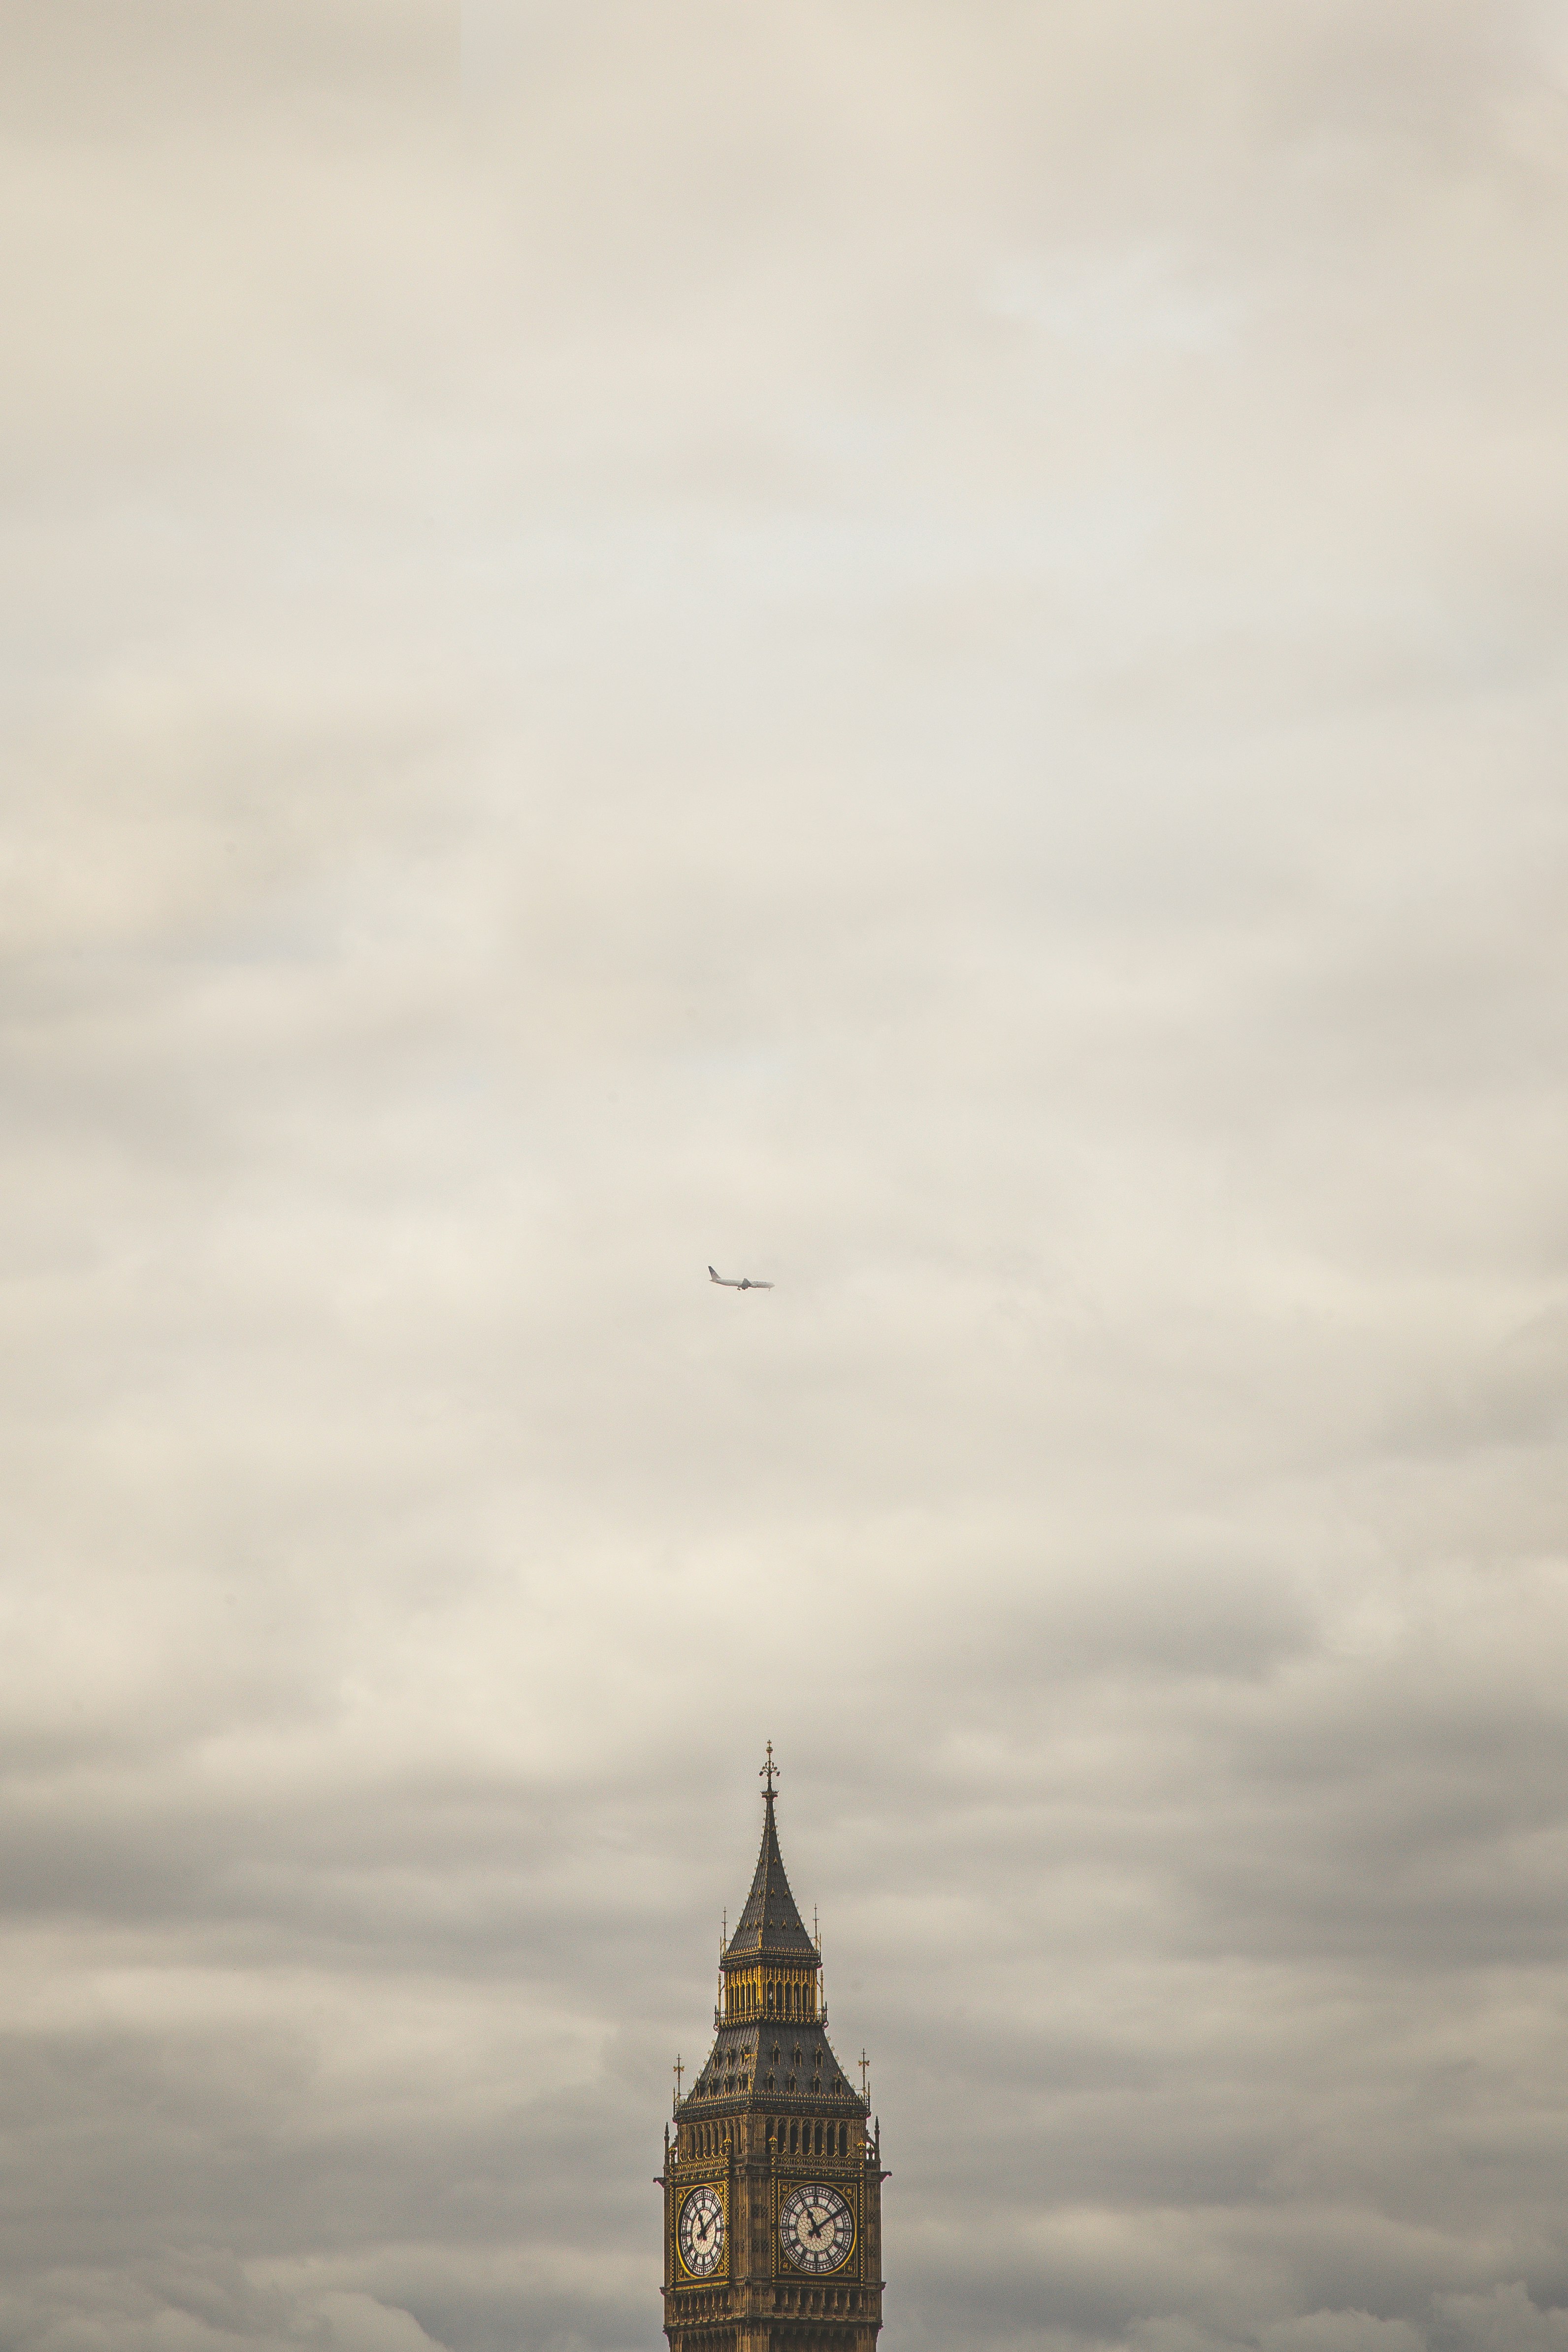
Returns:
<point x="699" y="2232"/>
<point x="816" y="2228"/>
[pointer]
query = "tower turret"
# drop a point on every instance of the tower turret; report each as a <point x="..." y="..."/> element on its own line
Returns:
<point x="771" y="1966"/>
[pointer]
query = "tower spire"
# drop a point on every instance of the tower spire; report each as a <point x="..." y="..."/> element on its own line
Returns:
<point x="770" y="1926"/>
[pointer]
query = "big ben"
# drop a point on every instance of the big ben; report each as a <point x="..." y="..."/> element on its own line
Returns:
<point x="771" y="2181"/>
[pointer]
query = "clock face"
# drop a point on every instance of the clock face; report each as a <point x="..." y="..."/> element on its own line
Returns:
<point x="816" y="2228"/>
<point x="700" y="2232"/>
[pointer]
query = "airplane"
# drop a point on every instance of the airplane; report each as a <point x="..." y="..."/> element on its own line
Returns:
<point x="728" y="1282"/>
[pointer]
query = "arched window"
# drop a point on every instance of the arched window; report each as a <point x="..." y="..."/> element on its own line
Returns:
<point x="794" y="2139"/>
<point x="817" y="2141"/>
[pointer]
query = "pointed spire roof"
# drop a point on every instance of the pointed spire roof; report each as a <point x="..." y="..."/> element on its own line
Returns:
<point x="771" y="1924"/>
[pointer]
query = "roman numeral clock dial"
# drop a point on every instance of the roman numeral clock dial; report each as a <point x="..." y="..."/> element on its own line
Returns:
<point x="702" y="2233"/>
<point x="816" y="2228"/>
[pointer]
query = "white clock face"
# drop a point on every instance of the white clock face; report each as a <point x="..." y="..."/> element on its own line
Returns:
<point x="700" y="2232"/>
<point x="816" y="2228"/>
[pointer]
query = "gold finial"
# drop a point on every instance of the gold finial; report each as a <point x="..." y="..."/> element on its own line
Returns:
<point x="770" y="1771"/>
<point x="865" y="2068"/>
<point x="677" y="2070"/>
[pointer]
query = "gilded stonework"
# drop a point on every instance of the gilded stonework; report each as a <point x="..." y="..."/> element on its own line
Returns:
<point x="773" y="2178"/>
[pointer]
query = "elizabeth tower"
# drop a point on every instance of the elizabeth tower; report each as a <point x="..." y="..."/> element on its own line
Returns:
<point x="773" y="2184"/>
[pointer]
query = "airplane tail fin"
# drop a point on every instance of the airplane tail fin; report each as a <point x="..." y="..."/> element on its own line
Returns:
<point x="712" y="1274"/>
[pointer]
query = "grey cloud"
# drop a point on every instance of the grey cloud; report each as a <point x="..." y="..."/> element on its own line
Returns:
<point x="917" y="652"/>
<point x="1508" y="2316"/>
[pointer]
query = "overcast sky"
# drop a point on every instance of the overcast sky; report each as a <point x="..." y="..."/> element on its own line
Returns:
<point x="915" y="646"/>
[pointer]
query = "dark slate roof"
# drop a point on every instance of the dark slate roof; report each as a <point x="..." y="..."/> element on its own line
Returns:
<point x="769" y="1925"/>
<point x="743" y="2051"/>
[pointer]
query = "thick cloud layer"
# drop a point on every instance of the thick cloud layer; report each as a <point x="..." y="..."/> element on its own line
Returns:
<point x="916" y="650"/>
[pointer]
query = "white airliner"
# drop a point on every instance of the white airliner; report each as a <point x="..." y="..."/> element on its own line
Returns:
<point x="728" y="1282"/>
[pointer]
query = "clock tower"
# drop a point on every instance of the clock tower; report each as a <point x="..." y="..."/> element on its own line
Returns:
<point x="773" y="2183"/>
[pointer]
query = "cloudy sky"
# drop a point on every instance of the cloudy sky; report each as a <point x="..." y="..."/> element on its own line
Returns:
<point x="917" y="649"/>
